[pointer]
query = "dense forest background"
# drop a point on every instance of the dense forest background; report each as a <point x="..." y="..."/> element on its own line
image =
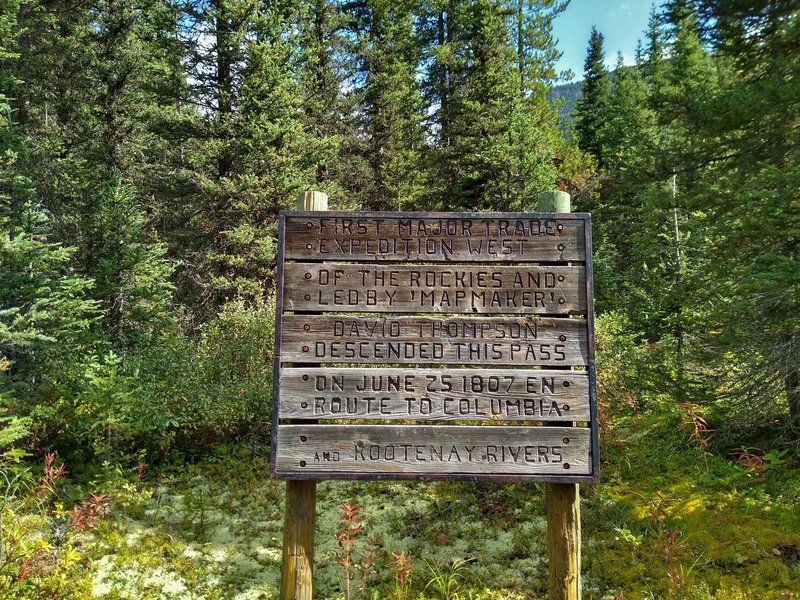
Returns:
<point x="147" y="146"/>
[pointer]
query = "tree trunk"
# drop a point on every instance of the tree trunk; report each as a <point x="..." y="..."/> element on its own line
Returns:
<point x="793" y="397"/>
<point x="224" y="85"/>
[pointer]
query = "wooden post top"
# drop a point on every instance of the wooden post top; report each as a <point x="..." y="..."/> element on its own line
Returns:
<point x="312" y="200"/>
<point x="554" y="201"/>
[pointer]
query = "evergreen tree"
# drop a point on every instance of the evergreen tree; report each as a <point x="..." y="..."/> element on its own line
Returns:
<point x="622" y="229"/>
<point x="539" y="144"/>
<point x="654" y="62"/>
<point x="536" y="49"/>
<point x="327" y="71"/>
<point x="640" y="230"/>
<point x="391" y="103"/>
<point x="84" y="103"/>
<point x="591" y="108"/>
<point x="276" y="155"/>
<point x="441" y="62"/>
<point x="249" y="148"/>
<point x="477" y="159"/>
<point x="492" y="150"/>
<point x="88" y="133"/>
<point x="55" y="108"/>
<point x="749" y="139"/>
<point x="131" y="272"/>
<point x="628" y="122"/>
<point x="46" y="316"/>
<point x="690" y="78"/>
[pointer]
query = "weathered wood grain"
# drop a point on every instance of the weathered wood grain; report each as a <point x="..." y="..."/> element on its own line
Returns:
<point x="562" y="499"/>
<point x="419" y="450"/>
<point x="457" y="289"/>
<point x="451" y="239"/>
<point x="563" y="507"/>
<point x="434" y="394"/>
<point x="297" y="565"/>
<point x="530" y="341"/>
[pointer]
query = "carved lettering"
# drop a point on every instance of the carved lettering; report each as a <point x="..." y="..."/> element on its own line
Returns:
<point x="389" y="319"/>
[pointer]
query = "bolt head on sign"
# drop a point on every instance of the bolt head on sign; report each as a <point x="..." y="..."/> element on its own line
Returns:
<point x="435" y="345"/>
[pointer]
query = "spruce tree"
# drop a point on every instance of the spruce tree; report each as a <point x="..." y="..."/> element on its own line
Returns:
<point x="654" y="62"/>
<point x="131" y="272"/>
<point x="491" y="125"/>
<point x="539" y="144"/>
<point x="327" y="68"/>
<point x="249" y="150"/>
<point x="749" y="139"/>
<point x="479" y="157"/>
<point x="391" y="103"/>
<point x="88" y="132"/>
<point x="277" y="156"/>
<point x="637" y="247"/>
<point x="591" y="108"/>
<point x="47" y="318"/>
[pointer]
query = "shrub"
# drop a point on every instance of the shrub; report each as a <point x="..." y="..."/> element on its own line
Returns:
<point x="194" y="393"/>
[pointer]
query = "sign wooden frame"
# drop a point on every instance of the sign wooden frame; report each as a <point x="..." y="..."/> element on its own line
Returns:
<point x="547" y="256"/>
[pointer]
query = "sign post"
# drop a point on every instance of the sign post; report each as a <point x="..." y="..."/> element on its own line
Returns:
<point x="300" y="512"/>
<point x="443" y="345"/>
<point x="562" y="499"/>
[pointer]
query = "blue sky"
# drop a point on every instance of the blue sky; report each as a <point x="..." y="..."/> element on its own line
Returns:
<point x="622" y="22"/>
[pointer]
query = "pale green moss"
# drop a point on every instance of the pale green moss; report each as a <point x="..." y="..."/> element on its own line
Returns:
<point x="216" y="531"/>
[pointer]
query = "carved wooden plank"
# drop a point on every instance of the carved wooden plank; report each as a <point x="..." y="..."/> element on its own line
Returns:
<point x="434" y="288"/>
<point x="434" y="394"/>
<point x="531" y="341"/>
<point x="431" y="238"/>
<point x="445" y="450"/>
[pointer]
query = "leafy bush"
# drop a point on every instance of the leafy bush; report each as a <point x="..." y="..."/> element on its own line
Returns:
<point x="194" y="393"/>
<point x="41" y="554"/>
<point x="622" y="363"/>
<point x="178" y="393"/>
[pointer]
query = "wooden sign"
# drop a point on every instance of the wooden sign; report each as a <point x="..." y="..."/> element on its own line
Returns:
<point x="435" y="394"/>
<point x="529" y="341"/>
<point x="402" y="451"/>
<point x="365" y="237"/>
<point x="419" y="345"/>
<point x="434" y="289"/>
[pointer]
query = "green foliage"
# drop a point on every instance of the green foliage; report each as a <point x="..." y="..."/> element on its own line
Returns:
<point x="13" y="429"/>
<point x="42" y="303"/>
<point x="486" y="83"/>
<point x="213" y="529"/>
<point x="248" y="150"/>
<point x="47" y="316"/>
<point x="103" y="418"/>
<point x="42" y="551"/>
<point x="446" y="582"/>
<point x="592" y="105"/>
<point x="132" y="273"/>
<point x="624" y="372"/>
<point x="391" y="104"/>
<point x="750" y="121"/>
<point x="146" y="152"/>
<point x="195" y="393"/>
<point x="695" y="226"/>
